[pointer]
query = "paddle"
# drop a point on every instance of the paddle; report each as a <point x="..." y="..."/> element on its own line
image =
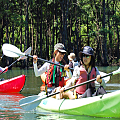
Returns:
<point x="28" y="51"/>
<point x="32" y="102"/>
<point x="12" y="51"/>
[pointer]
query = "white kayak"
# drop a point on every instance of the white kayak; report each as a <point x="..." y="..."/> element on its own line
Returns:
<point x="107" y="105"/>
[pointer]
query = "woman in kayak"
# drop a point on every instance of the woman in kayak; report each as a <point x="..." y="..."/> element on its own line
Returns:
<point x="84" y="72"/>
<point x="55" y="76"/>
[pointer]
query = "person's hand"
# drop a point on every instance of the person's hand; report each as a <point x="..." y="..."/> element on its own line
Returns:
<point x="98" y="79"/>
<point x="62" y="90"/>
<point x="66" y="67"/>
<point x="35" y="59"/>
<point x="59" y="96"/>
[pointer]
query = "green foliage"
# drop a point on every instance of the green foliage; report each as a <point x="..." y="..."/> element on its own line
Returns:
<point x="73" y="22"/>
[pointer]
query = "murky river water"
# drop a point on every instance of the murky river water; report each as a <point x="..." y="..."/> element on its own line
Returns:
<point x="9" y="103"/>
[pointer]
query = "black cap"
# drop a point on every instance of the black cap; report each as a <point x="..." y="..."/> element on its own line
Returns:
<point x="87" y="50"/>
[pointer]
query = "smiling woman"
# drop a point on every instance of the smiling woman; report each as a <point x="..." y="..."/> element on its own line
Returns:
<point x="83" y="73"/>
<point x="55" y="74"/>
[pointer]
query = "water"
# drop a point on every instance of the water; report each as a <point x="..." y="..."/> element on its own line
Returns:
<point x="9" y="103"/>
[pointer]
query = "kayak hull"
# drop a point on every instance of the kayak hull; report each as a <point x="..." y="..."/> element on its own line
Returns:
<point x="107" y="105"/>
<point x="15" y="84"/>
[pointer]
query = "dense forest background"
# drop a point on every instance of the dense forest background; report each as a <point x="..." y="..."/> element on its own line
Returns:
<point x="75" y="23"/>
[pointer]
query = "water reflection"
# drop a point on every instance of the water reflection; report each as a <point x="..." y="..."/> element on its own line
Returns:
<point x="9" y="107"/>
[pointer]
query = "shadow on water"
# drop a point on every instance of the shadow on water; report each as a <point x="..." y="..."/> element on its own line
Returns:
<point x="9" y="103"/>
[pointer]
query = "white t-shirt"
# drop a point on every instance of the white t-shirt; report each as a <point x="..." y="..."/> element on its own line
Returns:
<point x="45" y="68"/>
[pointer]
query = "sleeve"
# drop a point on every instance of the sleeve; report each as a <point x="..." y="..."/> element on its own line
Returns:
<point x="76" y="74"/>
<point x="41" y="70"/>
<point x="103" y="81"/>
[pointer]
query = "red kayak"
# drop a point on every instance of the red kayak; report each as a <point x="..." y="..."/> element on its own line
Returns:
<point x="15" y="84"/>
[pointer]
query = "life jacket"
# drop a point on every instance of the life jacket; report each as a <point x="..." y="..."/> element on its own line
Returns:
<point x="54" y="76"/>
<point x="84" y="76"/>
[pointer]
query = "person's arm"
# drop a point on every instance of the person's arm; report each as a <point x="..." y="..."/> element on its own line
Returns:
<point x="69" y="74"/>
<point x="76" y="74"/>
<point x="41" y="70"/>
<point x="101" y="81"/>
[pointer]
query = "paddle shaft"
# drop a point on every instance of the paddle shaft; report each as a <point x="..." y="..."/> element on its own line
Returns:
<point x="49" y="62"/>
<point x="31" y="102"/>
<point x="21" y="57"/>
<point x="9" y="66"/>
<point x="49" y="95"/>
<point x="13" y="51"/>
<point x="83" y="83"/>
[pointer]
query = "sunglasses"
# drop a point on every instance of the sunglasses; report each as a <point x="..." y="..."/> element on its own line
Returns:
<point x="87" y="56"/>
<point x="63" y="53"/>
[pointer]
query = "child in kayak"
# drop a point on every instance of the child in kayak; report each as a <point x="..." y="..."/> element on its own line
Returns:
<point x="72" y="61"/>
<point x="55" y="78"/>
<point x="84" y="72"/>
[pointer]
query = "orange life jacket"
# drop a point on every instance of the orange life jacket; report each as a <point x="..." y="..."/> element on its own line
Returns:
<point x="84" y="76"/>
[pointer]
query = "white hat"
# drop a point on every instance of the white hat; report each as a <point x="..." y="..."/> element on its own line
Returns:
<point x="60" y="47"/>
<point x="71" y="56"/>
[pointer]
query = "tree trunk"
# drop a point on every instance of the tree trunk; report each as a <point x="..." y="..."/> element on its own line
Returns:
<point x="104" y="48"/>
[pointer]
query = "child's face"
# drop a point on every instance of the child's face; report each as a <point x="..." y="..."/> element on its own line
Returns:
<point x="86" y="59"/>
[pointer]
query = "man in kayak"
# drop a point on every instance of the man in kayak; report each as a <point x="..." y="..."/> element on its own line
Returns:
<point x="55" y="76"/>
<point x="84" y="72"/>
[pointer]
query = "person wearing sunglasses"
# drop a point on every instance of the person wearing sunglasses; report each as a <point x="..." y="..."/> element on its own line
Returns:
<point x="84" y="72"/>
<point x="54" y="74"/>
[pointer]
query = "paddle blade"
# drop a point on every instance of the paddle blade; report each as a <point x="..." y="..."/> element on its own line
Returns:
<point x="11" y="50"/>
<point x="31" y="102"/>
<point x="116" y="72"/>
<point x="27" y="52"/>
